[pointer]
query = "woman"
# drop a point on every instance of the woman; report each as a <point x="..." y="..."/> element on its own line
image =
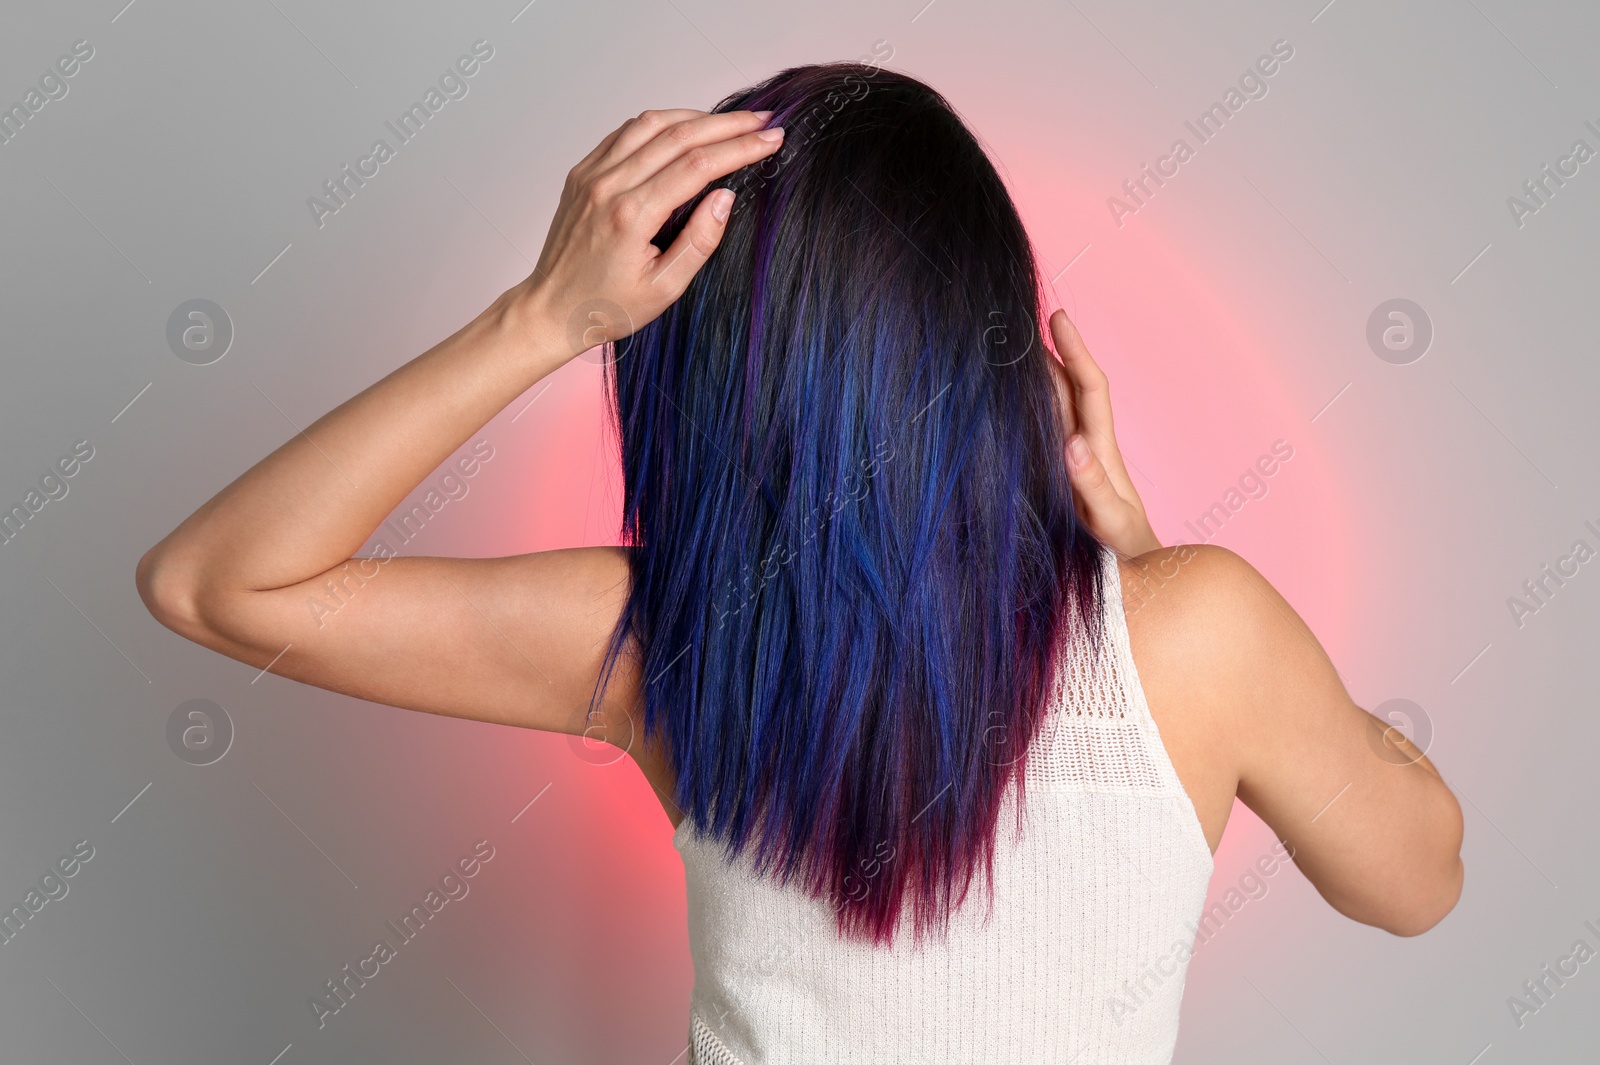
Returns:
<point x="948" y="739"/>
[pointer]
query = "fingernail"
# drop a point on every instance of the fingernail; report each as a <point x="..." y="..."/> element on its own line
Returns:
<point x="1078" y="451"/>
<point x="762" y="115"/>
<point x="721" y="204"/>
<point x="773" y="134"/>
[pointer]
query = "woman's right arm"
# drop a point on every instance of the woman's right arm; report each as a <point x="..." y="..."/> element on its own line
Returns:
<point x="1368" y="818"/>
<point x="1253" y="708"/>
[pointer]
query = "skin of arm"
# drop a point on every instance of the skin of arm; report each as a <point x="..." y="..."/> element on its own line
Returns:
<point x="1250" y="706"/>
<point x="510" y="640"/>
<point x="1258" y="710"/>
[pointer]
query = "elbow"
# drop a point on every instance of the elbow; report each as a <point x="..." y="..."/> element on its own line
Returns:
<point x="1436" y="891"/>
<point x="1430" y="910"/>
<point x="1407" y="882"/>
<point x="167" y="593"/>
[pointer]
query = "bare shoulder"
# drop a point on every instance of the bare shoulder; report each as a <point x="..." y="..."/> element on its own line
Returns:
<point x="1208" y="612"/>
<point x="1190" y="618"/>
<point x="1249" y="705"/>
<point x="1191" y="583"/>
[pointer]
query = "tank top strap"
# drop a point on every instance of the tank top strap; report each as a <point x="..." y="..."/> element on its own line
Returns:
<point x="1099" y="734"/>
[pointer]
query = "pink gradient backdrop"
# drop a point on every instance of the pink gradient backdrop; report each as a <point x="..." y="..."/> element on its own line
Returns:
<point x="1201" y="393"/>
<point x="1230" y="312"/>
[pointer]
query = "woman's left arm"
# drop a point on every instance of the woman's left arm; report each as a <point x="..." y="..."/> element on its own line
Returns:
<point x="500" y="639"/>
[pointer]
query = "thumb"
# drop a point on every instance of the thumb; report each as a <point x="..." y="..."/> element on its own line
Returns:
<point x="699" y="238"/>
<point x="1103" y="507"/>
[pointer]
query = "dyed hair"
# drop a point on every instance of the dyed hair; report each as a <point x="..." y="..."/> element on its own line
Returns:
<point x="852" y="540"/>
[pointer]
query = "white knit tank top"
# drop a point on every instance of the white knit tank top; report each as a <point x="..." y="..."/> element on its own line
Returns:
<point x="1081" y="959"/>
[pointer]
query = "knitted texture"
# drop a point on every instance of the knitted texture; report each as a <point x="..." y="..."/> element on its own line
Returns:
<point x="1077" y="953"/>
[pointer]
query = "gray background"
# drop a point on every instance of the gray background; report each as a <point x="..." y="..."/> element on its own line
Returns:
<point x="1231" y="311"/>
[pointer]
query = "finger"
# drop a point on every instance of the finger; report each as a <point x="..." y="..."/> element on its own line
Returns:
<point x="674" y="141"/>
<point x="1062" y="387"/>
<point x="596" y="153"/>
<point x="637" y="131"/>
<point x="1091" y="398"/>
<point x="609" y="152"/>
<point x="1103" y="508"/>
<point x="701" y="234"/>
<point x="700" y="166"/>
<point x="1091" y="391"/>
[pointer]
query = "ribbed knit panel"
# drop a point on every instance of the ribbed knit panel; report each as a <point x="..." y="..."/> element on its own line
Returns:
<point x="1081" y="958"/>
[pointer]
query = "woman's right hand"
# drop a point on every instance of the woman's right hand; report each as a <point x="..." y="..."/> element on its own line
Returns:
<point x="599" y="277"/>
<point x="1106" y="498"/>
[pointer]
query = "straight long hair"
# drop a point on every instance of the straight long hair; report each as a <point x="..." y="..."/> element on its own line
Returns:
<point x="853" y="547"/>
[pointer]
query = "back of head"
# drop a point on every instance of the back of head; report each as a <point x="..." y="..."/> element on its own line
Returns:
<point x="854" y="548"/>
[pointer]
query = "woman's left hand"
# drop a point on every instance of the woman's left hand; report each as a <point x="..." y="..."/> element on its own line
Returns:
<point x="599" y="277"/>
<point x="1107" y="500"/>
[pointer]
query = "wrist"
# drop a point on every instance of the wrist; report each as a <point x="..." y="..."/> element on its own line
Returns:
<point x="1147" y="544"/>
<point x="1140" y="541"/>
<point x="523" y="316"/>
